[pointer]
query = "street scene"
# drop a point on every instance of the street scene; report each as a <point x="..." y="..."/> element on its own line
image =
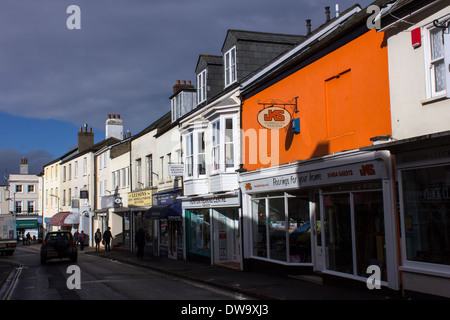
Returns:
<point x="289" y="163"/>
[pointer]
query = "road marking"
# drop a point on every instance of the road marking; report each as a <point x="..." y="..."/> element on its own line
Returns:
<point x="11" y="282"/>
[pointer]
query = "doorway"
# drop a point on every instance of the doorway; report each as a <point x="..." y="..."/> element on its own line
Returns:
<point x="353" y="232"/>
<point x="227" y="240"/>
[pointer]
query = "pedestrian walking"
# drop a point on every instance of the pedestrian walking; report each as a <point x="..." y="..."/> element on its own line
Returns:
<point x="76" y="236"/>
<point x="81" y="238"/>
<point x="28" y="239"/>
<point x="140" y="242"/>
<point x="107" y="236"/>
<point x="98" y="239"/>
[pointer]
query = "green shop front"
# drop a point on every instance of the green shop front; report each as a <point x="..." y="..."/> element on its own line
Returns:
<point x="212" y="226"/>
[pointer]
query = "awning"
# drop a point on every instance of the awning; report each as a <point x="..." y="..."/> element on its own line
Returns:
<point x="162" y="212"/>
<point x="59" y="219"/>
<point x="73" y="218"/>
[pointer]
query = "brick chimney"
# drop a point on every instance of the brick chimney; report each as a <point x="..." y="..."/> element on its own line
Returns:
<point x="23" y="166"/>
<point x="183" y="85"/>
<point x="85" y="138"/>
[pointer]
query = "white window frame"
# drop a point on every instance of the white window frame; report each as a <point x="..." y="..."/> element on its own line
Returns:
<point x="189" y="147"/>
<point x="33" y="203"/>
<point x="194" y="154"/>
<point x="201" y="86"/>
<point x="220" y="147"/>
<point x="429" y="62"/>
<point x="229" y="63"/>
<point x="84" y="166"/>
<point x="33" y="187"/>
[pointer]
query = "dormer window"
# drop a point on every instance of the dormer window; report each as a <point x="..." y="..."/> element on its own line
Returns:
<point x="230" y="66"/>
<point x="201" y="87"/>
<point x="176" y="106"/>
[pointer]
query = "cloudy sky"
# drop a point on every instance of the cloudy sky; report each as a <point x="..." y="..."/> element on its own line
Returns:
<point x="125" y="59"/>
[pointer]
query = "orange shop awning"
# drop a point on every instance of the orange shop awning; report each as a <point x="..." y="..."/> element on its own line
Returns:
<point x="59" y="218"/>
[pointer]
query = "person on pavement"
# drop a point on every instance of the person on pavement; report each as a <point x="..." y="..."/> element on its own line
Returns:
<point x="140" y="242"/>
<point x="98" y="239"/>
<point x="107" y="236"/>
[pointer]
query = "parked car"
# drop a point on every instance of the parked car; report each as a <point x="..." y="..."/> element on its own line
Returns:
<point x="59" y="245"/>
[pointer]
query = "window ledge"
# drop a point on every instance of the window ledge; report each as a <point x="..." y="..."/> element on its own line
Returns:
<point x="425" y="271"/>
<point x="433" y="100"/>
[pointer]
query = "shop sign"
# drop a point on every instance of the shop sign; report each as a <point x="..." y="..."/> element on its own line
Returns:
<point x="176" y="170"/>
<point x="274" y="118"/>
<point x="343" y="174"/>
<point x="141" y="198"/>
<point x="212" y="202"/>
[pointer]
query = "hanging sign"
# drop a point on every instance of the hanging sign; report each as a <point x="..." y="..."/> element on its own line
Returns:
<point x="274" y="118"/>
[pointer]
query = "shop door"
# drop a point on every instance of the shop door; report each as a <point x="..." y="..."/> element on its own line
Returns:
<point x="172" y="245"/>
<point x="226" y="236"/>
<point x="354" y="236"/>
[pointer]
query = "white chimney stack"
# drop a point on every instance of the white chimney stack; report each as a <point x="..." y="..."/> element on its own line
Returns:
<point x="114" y="127"/>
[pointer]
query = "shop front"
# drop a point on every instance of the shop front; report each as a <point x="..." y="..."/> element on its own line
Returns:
<point x="212" y="227"/>
<point x="423" y="172"/>
<point x="167" y="215"/>
<point x="333" y="215"/>
<point x="139" y="202"/>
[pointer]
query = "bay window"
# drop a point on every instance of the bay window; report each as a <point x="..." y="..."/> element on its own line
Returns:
<point x="223" y="144"/>
<point x="195" y="154"/>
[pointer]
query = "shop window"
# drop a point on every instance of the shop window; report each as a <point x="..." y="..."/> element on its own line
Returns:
<point x="198" y="232"/>
<point x="426" y="213"/>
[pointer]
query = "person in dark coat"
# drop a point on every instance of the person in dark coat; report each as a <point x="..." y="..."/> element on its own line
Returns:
<point x="140" y="242"/>
<point x="107" y="236"/>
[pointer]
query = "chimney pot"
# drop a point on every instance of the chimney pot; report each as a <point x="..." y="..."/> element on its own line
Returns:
<point x="109" y="115"/>
<point x="178" y="81"/>
<point x="308" y="26"/>
<point x="327" y="13"/>
<point x="118" y="116"/>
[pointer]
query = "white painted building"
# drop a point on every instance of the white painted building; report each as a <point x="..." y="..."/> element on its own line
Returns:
<point x="418" y="40"/>
<point x="24" y="199"/>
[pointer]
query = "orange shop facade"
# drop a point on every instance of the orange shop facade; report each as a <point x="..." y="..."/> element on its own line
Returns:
<point x="312" y="201"/>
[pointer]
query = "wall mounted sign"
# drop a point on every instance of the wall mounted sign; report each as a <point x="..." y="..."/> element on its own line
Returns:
<point x="341" y="174"/>
<point x="274" y="118"/>
<point x="140" y="198"/>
